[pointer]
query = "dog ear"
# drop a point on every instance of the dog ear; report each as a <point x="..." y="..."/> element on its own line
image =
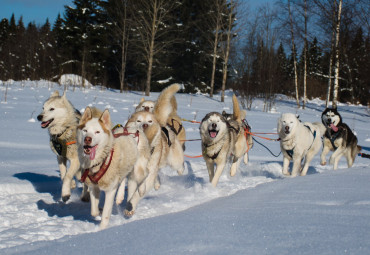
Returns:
<point x="105" y="118"/>
<point x="86" y="116"/>
<point x="142" y="100"/>
<point x="55" y="94"/>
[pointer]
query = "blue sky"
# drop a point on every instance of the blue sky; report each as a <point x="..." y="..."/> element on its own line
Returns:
<point x="39" y="10"/>
<point x="33" y="10"/>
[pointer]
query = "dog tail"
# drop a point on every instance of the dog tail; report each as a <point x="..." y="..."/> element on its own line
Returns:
<point x="163" y="108"/>
<point x="236" y="110"/>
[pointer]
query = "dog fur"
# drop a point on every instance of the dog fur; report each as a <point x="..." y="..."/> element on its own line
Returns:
<point x="61" y="119"/>
<point x="164" y="144"/>
<point x="96" y="145"/>
<point x="220" y="139"/>
<point x="174" y="121"/>
<point x="297" y="141"/>
<point x="338" y="138"/>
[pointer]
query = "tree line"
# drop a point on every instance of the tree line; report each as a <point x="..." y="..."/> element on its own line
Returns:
<point x="302" y="48"/>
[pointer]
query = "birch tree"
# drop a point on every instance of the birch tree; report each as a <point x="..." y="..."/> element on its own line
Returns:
<point x="336" y="68"/>
<point x="293" y="54"/>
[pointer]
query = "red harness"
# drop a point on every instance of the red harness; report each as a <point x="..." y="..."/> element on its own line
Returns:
<point x="94" y="178"/>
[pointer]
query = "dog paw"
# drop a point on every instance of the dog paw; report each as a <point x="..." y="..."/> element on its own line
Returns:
<point x="286" y="173"/>
<point x="85" y="198"/>
<point x="66" y="198"/>
<point x="323" y="163"/>
<point x="128" y="214"/>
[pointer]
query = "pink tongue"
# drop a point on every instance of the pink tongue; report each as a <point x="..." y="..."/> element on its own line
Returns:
<point x="332" y="126"/>
<point x="213" y="134"/>
<point x="92" y="153"/>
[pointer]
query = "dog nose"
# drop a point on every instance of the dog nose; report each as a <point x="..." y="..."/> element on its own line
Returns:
<point x="145" y="126"/>
<point x="146" y="109"/>
<point x="214" y="125"/>
<point x="286" y="128"/>
<point x="88" y="140"/>
<point x="39" y="118"/>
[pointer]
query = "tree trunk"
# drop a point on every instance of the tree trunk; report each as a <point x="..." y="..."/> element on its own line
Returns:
<point x="336" y="70"/>
<point x="305" y="57"/>
<point x="227" y="51"/>
<point x="332" y="49"/>
<point x="123" y="50"/>
<point x="214" y="60"/>
<point x="293" y="55"/>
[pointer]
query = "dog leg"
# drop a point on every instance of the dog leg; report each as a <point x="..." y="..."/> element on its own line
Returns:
<point x="219" y="168"/>
<point x="246" y="158"/>
<point x="107" y="210"/>
<point x="235" y="166"/>
<point x="94" y="199"/>
<point x="350" y="158"/>
<point x="286" y="166"/>
<point x="62" y="163"/>
<point x="335" y="157"/>
<point x="324" y="152"/>
<point x="66" y="188"/>
<point x="132" y="204"/>
<point x="296" y="165"/>
<point x="121" y="192"/>
<point x="210" y="167"/>
<point x="307" y="162"/>
<point x="85" y="196"/>
<point x="132" y="186"/>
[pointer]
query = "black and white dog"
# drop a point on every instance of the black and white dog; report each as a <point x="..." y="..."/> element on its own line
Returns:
<point x="338" y="138"/>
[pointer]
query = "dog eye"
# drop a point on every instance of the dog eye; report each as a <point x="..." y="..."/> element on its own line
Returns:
<point x="51" y="109"/>
<point x="97" y="132"/>
<point x="84" y="130"/>
<point x="138" y="121"/>
<point x="150" y="121"/>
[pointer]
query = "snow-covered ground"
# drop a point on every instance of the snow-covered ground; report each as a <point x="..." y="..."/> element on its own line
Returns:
<point x="259" y="211"/>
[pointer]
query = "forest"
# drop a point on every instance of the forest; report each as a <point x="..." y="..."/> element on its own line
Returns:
<point x="301" y="48"/>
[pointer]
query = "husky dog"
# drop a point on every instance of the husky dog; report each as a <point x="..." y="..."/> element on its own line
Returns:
<point x="298" y="140"/>
<point x="106" y="160"/>
<point x="164" y="144"/>
<point x="246" y="127"/>
<point x="220" y="139"/>
<point x="61" y="119"/>
<point x="174" y="122"/>
<point x="338" y="138"/>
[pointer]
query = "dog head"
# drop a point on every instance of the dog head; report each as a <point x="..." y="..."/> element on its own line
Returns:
<point x="94" y="131"/>
<point x="213" y="126"/>
<point x="144" y="121"/>
<point x="145" y="105"/>
<point x="287" y="124"/>
<point x="331" y="118"/>
<point x="56" y="111"/>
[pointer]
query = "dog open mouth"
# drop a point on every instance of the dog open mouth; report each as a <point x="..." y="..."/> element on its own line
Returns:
<point x="90" y="150"/>
<point x="213" y="133"/>
<point x="45" y="124"/>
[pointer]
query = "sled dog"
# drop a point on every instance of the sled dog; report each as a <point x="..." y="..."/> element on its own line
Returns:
<point x="106" y="161"/>
<point x="165" y="147"/>
<point x="297" y="141"/>
<point x="61" y="120"/>
<point x="220" y="139"/>
<point x="174" y="121"/>
<point x="338" y="138"/>
<point x="246" y="127"/>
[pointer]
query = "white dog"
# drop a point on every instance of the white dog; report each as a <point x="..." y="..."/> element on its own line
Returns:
<point x="298" y="140"/>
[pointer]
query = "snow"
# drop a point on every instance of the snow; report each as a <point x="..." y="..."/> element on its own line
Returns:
<point x="258" y="211"/>
<point x="73" y="80"/>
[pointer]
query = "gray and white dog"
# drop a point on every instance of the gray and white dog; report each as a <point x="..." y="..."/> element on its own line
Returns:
<point x="220" y="139"/>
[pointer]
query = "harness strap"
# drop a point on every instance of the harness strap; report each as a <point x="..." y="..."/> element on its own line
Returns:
<point x="172" y="127"/>
<point x="126" y="133"/>
<point x="314" y="136"/>
<point x="94" y="178"/>
<point x="165" y="131"/>
<point x="290" y="152"/>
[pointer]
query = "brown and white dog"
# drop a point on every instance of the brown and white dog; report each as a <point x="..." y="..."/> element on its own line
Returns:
<point x="174" y="121"/>
<point x="165" y="146"/>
